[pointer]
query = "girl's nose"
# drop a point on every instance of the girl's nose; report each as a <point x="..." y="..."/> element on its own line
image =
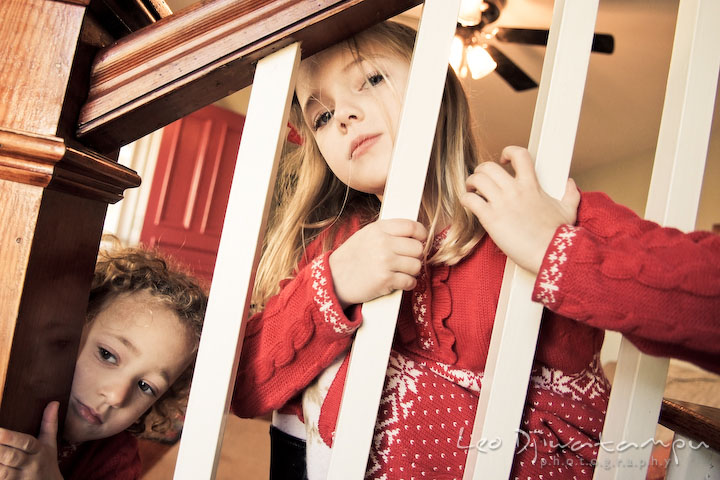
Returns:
<point x="347" y="114"/>
<point x="116" y="394"/>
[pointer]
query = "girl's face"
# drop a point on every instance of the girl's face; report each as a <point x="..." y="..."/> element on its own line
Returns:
<point x="353" y="109"/>
<point x="130" y="354"/>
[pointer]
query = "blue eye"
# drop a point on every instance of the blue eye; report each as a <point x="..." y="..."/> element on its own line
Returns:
<point x="146" y="388"/>
<point x="106" y="355"/>
<point x="322" y="120"/>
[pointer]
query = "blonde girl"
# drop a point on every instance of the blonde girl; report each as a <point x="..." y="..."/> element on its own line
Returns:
<point x="327" y="253"/>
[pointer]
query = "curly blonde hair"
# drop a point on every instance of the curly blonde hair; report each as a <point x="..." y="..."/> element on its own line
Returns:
<point x="124" y="270"/>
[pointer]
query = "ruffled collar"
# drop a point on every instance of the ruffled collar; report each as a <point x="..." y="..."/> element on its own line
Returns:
<point x="426" y="310"/>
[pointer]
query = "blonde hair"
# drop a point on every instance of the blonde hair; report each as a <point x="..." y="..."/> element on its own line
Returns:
<point x="125" y="270"/>
<point x="310" y="198"/>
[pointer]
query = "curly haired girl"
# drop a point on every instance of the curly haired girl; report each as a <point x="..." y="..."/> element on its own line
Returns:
<point x="133" y="371"/>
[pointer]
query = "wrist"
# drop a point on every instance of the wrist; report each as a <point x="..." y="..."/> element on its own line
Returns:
<point x="334" y="277"/>
<point x="555" y="260"/>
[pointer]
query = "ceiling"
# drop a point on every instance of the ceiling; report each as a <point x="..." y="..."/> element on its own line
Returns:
<point x="624" y="94"/>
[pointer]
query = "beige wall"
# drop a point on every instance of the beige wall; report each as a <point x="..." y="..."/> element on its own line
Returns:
<point x="237" y="102"/>
<point x="627" y="182"/>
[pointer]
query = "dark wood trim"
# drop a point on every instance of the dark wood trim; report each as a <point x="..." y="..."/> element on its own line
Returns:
<point x="76" y="2"/>
<point x="122" y="17"/>
<point x="697" y="422"/>
<point x="204" y="53"/>
<point x="48" y="162"/>
<point x="28" y="158"/>
<point x="50" y="276"/>
<point x="87" y="174"/>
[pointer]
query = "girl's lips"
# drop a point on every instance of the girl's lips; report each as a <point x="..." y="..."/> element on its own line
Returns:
<point x="362" y="144"/>
<point x="88" y="414"/>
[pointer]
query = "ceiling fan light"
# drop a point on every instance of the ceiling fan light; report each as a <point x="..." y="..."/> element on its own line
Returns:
<point x="456" y="53"/>
<point x="479" y="61"/>
<point x="463" y="71"/>
<point x="471" y="12"/>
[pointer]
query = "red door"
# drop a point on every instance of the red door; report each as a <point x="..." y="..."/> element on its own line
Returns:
<point x="191" y="185"/>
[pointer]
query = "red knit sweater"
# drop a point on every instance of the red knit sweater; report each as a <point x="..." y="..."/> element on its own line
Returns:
<point x="658" y="286"/>
<point x="443" y="335"/>
<point x="113" y="458"/>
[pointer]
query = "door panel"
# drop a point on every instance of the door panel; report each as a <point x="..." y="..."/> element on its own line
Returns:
<point x="190" y="188"/>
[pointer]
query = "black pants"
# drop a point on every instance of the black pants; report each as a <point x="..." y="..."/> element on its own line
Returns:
<point x="287" y="456"/>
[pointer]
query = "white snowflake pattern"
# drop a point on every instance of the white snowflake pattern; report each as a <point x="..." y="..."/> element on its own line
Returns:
<point x="461" y="376"/>
<point x="402" y="377"/>
<point x="322" y="297"/>
<point x="587" y="384"/>
<point x="550" y="276"/>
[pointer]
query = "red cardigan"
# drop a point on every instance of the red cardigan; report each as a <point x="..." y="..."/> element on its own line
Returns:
<point x="441" y="345"/>
<point x="658" y="286"/>
<point x="113" y="458"/>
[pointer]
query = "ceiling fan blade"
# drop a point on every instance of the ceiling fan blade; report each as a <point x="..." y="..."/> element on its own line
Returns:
<point x="602" y="42"/>
<point x="528" y="36"/>
<point x="510" y="72"/>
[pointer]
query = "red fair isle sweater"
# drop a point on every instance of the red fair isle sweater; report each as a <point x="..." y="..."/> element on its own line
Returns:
<point x="443" y="334"/>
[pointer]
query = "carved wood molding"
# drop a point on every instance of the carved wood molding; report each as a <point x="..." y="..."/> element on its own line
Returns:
<point x="47" y="162"/>
<point x="204" y="53"/>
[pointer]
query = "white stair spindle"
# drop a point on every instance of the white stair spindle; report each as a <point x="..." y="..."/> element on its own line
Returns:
<point x="237" y="259"/>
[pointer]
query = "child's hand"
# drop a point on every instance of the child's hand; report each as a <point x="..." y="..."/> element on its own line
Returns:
<point x="379" y="258"/>
<point x="24" y="457"/>
<point x="516" y="212"/>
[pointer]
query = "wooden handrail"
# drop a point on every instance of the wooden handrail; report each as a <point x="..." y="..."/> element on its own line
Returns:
<point x="204" y="53"/>
<point x="698" y="422"/>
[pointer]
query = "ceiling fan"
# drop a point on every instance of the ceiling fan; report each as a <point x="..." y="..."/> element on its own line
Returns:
<point x="473" y="54"/>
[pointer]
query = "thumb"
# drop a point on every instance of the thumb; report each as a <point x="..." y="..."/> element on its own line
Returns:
<point x="49" y="426"/>
<point x="571" y="198"/>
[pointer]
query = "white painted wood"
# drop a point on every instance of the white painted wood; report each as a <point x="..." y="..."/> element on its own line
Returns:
<point x="125" y="218"/>
<point x="691" y="459"/>
<point x="403" y="194"/>
<point x="672" y="201"/>
<point x="687" y="116"/>
<point x="517" y="321"/>
<point x="632" y="416"/>
<point x="237" y="259"/>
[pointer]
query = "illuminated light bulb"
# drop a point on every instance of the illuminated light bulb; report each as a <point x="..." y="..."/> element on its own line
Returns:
<point x="456" y="53"/>
<point x="479" y="61"/>
<point x="471" y="12"/>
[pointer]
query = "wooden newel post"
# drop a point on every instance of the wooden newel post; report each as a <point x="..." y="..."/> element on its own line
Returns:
<point x="53" y="199"/>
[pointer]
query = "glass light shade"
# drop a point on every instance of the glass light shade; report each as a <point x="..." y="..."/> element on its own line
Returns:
<point x="456" y="53"/>
<point x="471" y="12"/>
<point x="479" y="61"/>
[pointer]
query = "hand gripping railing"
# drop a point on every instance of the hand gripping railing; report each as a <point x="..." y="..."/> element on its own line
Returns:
<point x="684" y="130"/>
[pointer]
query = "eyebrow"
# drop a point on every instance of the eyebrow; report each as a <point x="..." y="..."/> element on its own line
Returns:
<point x="165" y="376"/>
<point x="314" y="94"/>
<point x="127" y="343"/>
